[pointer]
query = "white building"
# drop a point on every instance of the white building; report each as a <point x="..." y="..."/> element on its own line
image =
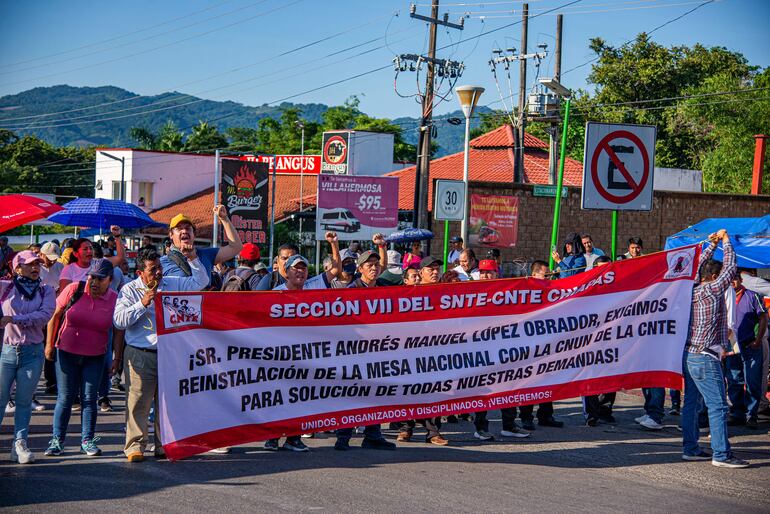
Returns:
<point x="152" y="179"/>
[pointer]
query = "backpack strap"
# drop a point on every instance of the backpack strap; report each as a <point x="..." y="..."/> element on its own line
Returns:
<point x="73" y="299"/>
<point x="180" y="261"/>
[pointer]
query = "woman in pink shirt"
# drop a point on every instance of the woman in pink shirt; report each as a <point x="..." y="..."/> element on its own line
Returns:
<point x="80" y="350"/>
<point x="76" y="270"/>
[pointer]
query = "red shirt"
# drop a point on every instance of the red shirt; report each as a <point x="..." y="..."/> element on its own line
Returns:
<point x="87" y="322"/>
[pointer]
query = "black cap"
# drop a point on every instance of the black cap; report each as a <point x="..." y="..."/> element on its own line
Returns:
<point x="456" y="239"/>
<point x="101" y="268"/>
<point x="363" y="257"/>
<point x="429" y="260"/>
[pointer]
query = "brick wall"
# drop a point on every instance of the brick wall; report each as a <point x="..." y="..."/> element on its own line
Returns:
<point x="671" y="213"/>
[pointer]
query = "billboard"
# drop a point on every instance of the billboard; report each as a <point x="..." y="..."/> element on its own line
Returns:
<point x="244" y="194"/>
<point x="289" y="164"/>
<point x="335" y="153"/>
<point x="356" y="207"/>
<point x="494" y="221"/>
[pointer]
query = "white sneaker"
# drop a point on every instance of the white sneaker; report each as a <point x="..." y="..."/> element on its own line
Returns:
<point x="308" y="436"/>
<point x="651" y="424"/>
<point x="222" y="451"/>
<point x="516" y="432"/>
<point x="37" y="406"/>
<point x="10" y="408"/>
<point x="641" y="418"/>
<point x="483" y="435"/>
<point x="20" y="453"/>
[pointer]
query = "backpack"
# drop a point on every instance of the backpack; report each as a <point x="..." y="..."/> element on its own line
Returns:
<point x="238" y="281"/>
<point x="73" y="299"/>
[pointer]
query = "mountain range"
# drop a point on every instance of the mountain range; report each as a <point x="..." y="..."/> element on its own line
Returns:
<point x="71" y="124"/>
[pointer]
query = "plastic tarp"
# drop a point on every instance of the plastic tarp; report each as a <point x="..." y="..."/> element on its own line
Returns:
<point x="750" y="238"/>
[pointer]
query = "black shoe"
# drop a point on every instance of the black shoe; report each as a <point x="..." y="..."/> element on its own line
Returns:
<point x="452" y="419"/>
<point x="675" y="411"/>
<point x="592" y="422"/>
<point x="376" y="444"/>
<point x="52" y="389"/>
<point x="752" y="423"/>
<point x="271" y="445"/>
<point x="550" y="422"/>
<point x="528" y="424"/>
<point x="394" y="426"/>
<point x="608" y="418"/>
<point x="732" y="421"/>
<point x="343" y="445"/>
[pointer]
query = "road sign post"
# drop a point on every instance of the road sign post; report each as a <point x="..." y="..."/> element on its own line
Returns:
<point x="559" y="183"/>
<point x="449" y="205"/>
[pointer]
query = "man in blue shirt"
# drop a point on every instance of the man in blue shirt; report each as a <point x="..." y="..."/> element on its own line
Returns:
<point x="181" y="230"/>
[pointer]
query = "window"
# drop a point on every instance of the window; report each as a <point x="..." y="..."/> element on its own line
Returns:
<point x="145" y="194"/>
<point x="116" y="189"/>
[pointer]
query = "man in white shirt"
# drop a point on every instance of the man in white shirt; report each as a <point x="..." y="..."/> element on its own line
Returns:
<point x="135" y="313"/>
<point x="468" y="269"/>
<point x="457" y="247"/>
<point x="592" y="253"/>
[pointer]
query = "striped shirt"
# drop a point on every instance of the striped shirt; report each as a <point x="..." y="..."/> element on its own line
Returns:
<point x="708" y="318"/>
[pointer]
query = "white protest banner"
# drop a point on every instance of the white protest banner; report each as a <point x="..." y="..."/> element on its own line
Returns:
<point x="265" y="364"/>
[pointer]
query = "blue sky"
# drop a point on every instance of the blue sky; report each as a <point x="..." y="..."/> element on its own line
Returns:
<point x="229" y="49"/>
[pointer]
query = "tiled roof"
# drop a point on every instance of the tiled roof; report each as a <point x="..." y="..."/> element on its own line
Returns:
<point x="198" y="206"/>
<point x="490" y="160"/>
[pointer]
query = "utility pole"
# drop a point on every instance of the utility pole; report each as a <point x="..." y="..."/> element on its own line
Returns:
<point x="518" y="172"/>
<point x="435" y="67"/>
<point x="553" y="129"/>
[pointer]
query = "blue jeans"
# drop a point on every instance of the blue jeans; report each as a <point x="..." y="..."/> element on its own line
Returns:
<point x="654" y="398"/>
<point x="73" y="374"/>
<point x="21" y="364"/>
<point x="744" y="369"/>
<point x="703" y="378"/>
<point x="370" y="432"/>
<point x="104" y="384"/>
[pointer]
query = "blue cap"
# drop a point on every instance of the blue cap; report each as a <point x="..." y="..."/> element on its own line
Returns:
<point x="101" y="268"/>
<point x="293" y="261"/>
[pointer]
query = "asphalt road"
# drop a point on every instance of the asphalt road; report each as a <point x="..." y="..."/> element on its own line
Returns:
<point x="608" y="468"/>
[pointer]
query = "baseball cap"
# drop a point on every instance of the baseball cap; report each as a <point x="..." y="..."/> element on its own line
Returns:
<point x="394" y="259"/>
<point x="101" y="268"/>
<point x="430" y="260"/>
<point x="346" y="253"/>
<point x="25" y="257"/>
<point x="487" y="265"/>
<point x="293" y="261"/>
<point x="259" y="267"/>
<point x="250" y="252"/>
<point x="180" y="218"/>
<point x="362" y="258"/>
<point x="50" y="250"/>
<point x="456" y="239"/>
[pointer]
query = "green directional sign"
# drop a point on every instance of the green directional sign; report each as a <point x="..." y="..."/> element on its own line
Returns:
<point x="550" y="191"/>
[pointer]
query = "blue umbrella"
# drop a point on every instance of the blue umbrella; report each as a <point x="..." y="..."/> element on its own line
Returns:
<point x="100" y="213"/>
<point x="409" y="235"/>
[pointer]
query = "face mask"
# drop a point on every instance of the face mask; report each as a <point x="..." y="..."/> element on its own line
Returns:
<point x="349" y="268"/>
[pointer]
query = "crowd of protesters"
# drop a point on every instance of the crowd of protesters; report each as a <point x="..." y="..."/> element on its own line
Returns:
<point x="74" y="313"/>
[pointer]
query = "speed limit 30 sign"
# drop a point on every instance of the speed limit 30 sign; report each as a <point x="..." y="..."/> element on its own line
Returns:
<point x="618" y="166"/>
<point x="449" y="200"/>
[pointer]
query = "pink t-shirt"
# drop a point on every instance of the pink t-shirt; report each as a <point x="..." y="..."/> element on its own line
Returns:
<point x="74" y="273"/>
<point x="87" y="323"/>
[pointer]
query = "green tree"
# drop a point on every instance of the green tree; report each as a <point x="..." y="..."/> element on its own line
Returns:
<point x="204" y="137"/>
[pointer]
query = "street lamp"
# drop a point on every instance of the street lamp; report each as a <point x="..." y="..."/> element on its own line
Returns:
<point x="301" y="126"/>
<point x="122" y="173"/>
<point x="468" y="97"/>
<point x="562" y="92"/>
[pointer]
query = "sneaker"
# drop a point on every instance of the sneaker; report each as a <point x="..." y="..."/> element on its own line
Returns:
<point x="641" y="418"/>
<point x="20" y="452"/>
<point x="483" y="435"/>
<point x="752" y="423"/>
<point x="674" y="411"/>
<point x="608" y="418"/>
<point x="528" y="424"/>
<point x="438" y="440"/>
<point x="105" y="405"/>
<point x="295" y="444"/>
<point x="452" y="419"/>
<point x="404" y="436"/>
<point x="377" y="444"/>
<point x="88" y="446"/>
<point x="76" y="406"/>
<point x="735" y="421"/>
<point x="221" y="451"/>
<point x="52" y="389"/>
<point x="135" y="457"/>
<point x="701" y="455"/>
<point x="651" y="424"/>
<point x="732" y="462"/>
<point x="550" y="422"/>
<point x="308" y="436"/>
<point x="54" y="447"/>
<point x="37" y="406"/>
<point x="10" y="408"/>
<point x="592" y="422"/>
<point x="271" y="445"/>
<point x="516" y="432"/>
<point x="342" y="445"/>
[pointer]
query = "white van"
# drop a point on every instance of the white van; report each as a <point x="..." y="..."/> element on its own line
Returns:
<point x="341" y="220"/>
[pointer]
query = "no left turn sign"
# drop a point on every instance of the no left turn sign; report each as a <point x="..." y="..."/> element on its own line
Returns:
<point x="618" y="167"/>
